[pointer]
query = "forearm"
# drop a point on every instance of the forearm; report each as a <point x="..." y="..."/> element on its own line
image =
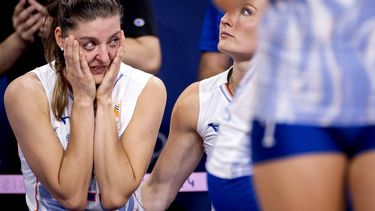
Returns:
<point x="77" y="163"/>
<point x="161" y="188"/>
<point x="176" y="163"/>
<point x="154" y="196"/>
<point x="213" y="63"/>
<point x="114" y="173"/>
<point x="10" y="50"/>
<point x="143" y="53"/>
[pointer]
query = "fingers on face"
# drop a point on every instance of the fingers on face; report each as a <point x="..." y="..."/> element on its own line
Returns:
<point x="83" y="62"/>
<point x="74" y="57"/>
<point x="71" y="52"/>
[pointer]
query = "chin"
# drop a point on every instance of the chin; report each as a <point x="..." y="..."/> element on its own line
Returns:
<point x="98" y="79"/>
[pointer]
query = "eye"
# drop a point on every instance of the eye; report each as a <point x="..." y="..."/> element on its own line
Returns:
<point x="246" y="12"/>
<point x="114" y="42"/>
<point x="90" y="45"/>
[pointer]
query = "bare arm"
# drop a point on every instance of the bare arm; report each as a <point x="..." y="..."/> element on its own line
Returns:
<point x="226" y="5"/>
<point x="10" y="50"/>
<point x="143" y="53"/>
<point x="66" y="173"/>
<point x="213" y="63"/>
<point x="180" y="156"/>
<point x="26" y="25"/>
<point x="121" y="165"/>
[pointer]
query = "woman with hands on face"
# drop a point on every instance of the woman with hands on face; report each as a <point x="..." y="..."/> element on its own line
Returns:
<point x="83" y="123"/>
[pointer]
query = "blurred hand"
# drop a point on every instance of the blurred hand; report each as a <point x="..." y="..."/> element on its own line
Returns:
<point x="45" y="28"/>
<point x="27" y="19"/>
<point x="226" y="5"/>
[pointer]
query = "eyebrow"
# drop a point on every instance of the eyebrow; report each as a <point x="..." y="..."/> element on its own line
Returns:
<point x="94" y="38"/>
<point x="251" y="5"/>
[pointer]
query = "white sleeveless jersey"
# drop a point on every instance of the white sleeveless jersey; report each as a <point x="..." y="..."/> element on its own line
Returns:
<point x="214" y="97"/>
<point x="231" y="158"/>
<point x="317" y="61"/>
<point x="129" y="85"/>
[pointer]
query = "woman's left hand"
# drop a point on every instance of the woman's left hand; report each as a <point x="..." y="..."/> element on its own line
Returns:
<point x="104" y="91"/>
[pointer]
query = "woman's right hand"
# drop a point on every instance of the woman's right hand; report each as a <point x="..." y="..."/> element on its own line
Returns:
<point x="77" y="72"/>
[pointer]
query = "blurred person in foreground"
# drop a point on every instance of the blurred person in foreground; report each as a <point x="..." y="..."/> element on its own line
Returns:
<point x="313" y="120"/>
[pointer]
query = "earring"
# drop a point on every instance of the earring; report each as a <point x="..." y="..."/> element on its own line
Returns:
<point x="62" y="49"/>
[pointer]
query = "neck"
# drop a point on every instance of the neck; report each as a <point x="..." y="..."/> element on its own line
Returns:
<point x="239" y="70"/>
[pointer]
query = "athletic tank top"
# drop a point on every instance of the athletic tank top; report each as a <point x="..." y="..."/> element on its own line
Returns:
<point x="214" y="97"/>
<point x="317" y="63"/>
<point x="128" y="86"/>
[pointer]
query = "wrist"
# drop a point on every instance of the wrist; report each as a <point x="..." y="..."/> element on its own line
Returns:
<point x="103" y="101"/>
<point x="83" y="102"/>
<point x="20" y="43"/>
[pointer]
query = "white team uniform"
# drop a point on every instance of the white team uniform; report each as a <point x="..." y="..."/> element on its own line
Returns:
<point x="129" y="85"/>
<point x="316" y="67"/>
<point x="214" y="97"/>
<point x="317" y="62"/>
<point x="229" y="141"/>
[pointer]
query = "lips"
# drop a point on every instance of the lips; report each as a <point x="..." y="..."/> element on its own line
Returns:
<point x="225" y="34"/>
<point x="97" y="70"/>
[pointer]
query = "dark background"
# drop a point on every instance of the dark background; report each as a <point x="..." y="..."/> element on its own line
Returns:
<point x="179" y="25"/>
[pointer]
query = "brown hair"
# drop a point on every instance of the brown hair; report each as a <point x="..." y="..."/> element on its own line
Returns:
<point x="67" y="14"/>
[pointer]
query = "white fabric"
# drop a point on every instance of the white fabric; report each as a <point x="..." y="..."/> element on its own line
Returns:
<point x="129" y="85"/>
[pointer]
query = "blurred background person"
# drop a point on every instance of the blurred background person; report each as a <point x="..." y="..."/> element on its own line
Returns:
<point x="312" y="106"/>
<point x="212" y="61"/>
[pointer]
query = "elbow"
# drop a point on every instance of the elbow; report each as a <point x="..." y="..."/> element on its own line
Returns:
<point x="76" y="200"/>
<point x="113" y="201"/>
<point x="153" y="64"/>
<point x="75" y="203"/>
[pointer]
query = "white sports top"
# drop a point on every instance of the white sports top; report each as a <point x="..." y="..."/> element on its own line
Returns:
<point x="317" y="63"/>
<point x="129" y="85"/>
<point x="231" y="140"/>
<point x="214" y="97"/>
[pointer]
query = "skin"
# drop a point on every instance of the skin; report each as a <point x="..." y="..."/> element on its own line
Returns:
<point x="27" y="22"/>
<point x="92" y="54"/>
<point x="184" y="147"/>
<point x="141" y="49"/>
<point x="227" y="5"/>
<point x="212" y="63"/>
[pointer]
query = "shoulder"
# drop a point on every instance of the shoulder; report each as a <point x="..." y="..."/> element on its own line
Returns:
<point x="27" y="84"/>
<point x="190" y="93"/>
<point x="156" y="84"/>
<point x="24" y="92"/>
<point x="187" y="105"/>
<point x="214" y="81"/>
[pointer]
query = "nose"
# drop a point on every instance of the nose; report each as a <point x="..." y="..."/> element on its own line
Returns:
<point x="226" y="19"/>
<point x="103" y="54"/>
